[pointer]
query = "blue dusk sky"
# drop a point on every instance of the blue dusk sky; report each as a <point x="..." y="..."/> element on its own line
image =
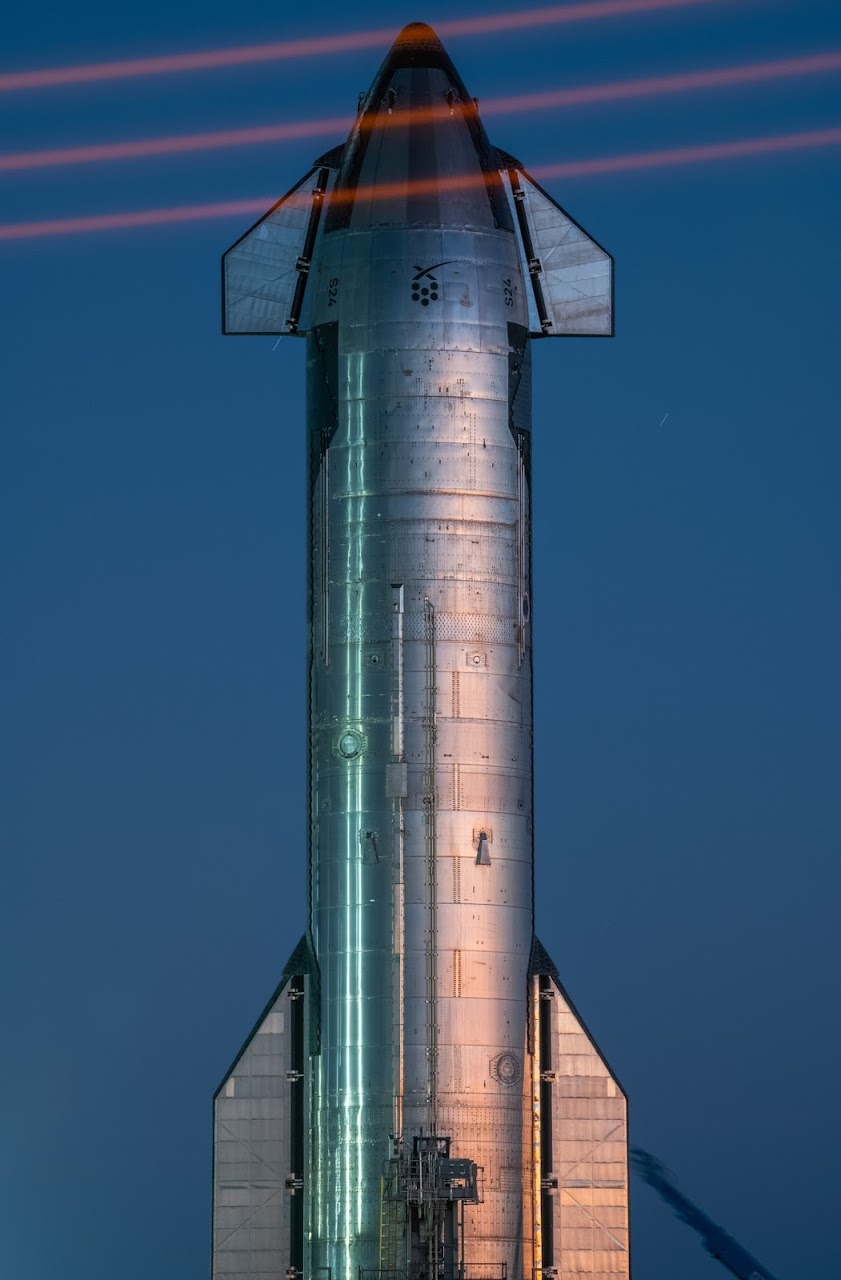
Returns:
<point x="687" y="617"/>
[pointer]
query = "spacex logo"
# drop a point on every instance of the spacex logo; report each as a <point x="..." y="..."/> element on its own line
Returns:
<point x="425" y="284"/>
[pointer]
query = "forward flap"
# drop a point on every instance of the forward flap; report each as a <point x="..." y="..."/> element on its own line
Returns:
<point x="264" y="274"/>
<point x="571" y="275"/>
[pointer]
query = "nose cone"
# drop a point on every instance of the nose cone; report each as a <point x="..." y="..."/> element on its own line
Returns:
<point x="417" y="40"/>
<point x="418" y="154"/>
<point x="417" y="48"/>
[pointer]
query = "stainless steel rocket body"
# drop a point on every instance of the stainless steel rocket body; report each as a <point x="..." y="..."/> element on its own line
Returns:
<point x="420" y="695"/>
<point x="423" y="1003"/>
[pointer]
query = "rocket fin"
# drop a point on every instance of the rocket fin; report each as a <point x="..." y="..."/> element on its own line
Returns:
<point x="571" y="275"/>
<point x="260" y="1135"/>
<point x="264" y="275"/>
<point x="581" y="1141"/>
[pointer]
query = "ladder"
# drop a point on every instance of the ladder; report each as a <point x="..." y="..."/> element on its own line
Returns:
<point x="392" y="1232"/>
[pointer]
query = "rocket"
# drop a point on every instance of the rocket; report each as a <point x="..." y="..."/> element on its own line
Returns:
<point x="419" y="1099"/>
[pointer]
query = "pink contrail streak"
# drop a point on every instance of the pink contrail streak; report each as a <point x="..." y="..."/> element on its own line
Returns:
<point x="567" y="169"/>
<point x="242" y="55"/>
<point x="328" y="127"/>
<point x="137" y="218"/>
<point x="691" y="155"/>
<point x="176" y="145"/>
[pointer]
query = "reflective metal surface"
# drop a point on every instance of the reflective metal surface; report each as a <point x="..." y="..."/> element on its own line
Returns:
<point x="410" y="259"/>
<point x="260" y="1138"/>
<point x="581" y="1121"/>
<point x="264" y="273"/>
<point x="420" y="487"/>
<point x="571" y="274"/>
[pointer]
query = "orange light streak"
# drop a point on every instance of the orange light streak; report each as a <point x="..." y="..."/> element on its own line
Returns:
<point x="136" y="218"/>
<point x="167" y="64"/>
<point x="774" y="144"/>
<point x="582" y="95"/>
<point x="176" y="145"/>
<point x="640" y="160"/>
<point x="679" y="82"/>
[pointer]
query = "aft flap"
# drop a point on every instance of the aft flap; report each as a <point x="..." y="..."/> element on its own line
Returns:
<point x="264" y="274"/>
<point x="260" y="1142"/>
<point x="571" y="275"/>
<point x="582" y="1126"/>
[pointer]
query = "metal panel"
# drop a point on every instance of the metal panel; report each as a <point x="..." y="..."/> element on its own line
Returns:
<point x="571" y="275"/>
<point x="264" y="274"/>
<point x="259" y="1137"/>
<point x="584" y="1165"/>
